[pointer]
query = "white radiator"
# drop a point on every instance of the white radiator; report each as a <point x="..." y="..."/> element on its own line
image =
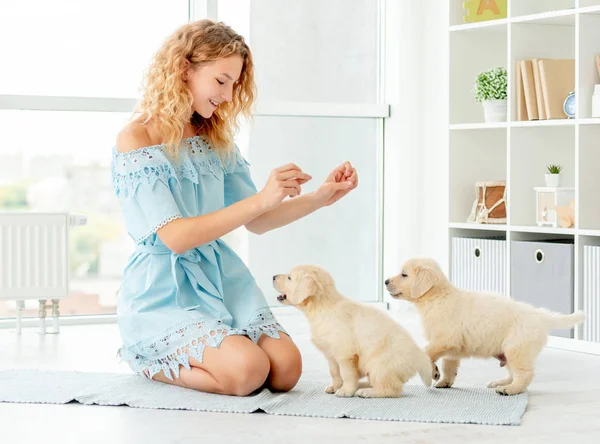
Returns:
<point x="591" y="293"/>
<point x="34" y="259"/>
<point x="479" y="264"/>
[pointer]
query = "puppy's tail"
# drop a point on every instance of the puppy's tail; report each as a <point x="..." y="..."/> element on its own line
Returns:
<point x="557" y="320"/>
<point x="425" y="369"/>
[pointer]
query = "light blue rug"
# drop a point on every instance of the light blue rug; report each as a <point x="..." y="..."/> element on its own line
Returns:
<point x="418" y="404"/>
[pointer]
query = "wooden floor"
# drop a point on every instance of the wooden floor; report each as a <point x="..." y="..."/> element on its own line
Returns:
<point x="564" y="401"/>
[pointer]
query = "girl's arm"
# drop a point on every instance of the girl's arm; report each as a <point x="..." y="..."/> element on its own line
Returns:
<point x="183" y="234"/>
<point x="286" y="213"/>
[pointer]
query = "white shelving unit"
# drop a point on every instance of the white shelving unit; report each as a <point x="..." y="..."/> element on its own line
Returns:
<point x="518" y="151"/>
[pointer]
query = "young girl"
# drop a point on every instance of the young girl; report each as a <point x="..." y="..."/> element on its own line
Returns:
<point x="190" y="313"/>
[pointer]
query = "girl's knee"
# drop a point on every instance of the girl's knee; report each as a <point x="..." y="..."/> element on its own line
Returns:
<point x="284" y="382"/>
<point x="249" y="369"/>
<point x="286" y="367"/>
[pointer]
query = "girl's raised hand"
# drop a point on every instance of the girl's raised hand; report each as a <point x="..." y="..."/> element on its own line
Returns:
<point x="340" y="182"/>
<point x="283" y="182"/>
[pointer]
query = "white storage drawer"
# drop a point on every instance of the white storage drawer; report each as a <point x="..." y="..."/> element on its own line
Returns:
<point x="479" y="264"/>
<point x="591" y="293"/>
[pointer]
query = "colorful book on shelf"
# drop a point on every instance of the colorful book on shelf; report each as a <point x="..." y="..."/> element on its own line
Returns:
<point x="529" y="89"/>
<point x="521" y="107"/>
<point x="558" y="80"/>
<point x="539" y="94"/>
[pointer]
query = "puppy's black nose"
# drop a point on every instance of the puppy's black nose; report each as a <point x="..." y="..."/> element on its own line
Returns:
<point x="387" y="281"/>
<point x="281" y="297"/>
<point x="274" y="277"/>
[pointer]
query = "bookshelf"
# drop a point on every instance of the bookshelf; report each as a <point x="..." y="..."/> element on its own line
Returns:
<point x="518" y="151"/>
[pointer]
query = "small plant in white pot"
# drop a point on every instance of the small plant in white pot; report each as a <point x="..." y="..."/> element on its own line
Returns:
<point x="553" y="176"/>
<point x="490" y="90"/>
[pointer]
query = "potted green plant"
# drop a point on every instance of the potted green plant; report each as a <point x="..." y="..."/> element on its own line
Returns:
<point x="553" y="176"/>
<point x="490" y="90"/>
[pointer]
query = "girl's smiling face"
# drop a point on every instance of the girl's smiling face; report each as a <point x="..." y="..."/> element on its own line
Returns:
<point x="212" y="83"/>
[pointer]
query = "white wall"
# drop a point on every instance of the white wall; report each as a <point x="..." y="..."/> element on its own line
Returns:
<point x="434" y="124"/>
<point x="324" y="51"/>
<point x="416" y="203"/>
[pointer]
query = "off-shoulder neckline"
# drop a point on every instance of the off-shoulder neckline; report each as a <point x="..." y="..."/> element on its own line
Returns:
<point x="158" y="146"/>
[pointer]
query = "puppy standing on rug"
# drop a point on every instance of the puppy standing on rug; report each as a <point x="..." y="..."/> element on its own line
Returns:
<point x="461" y="324"/>
<point x="357" y="340"/>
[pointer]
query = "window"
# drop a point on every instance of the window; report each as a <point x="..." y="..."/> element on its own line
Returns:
<point x="317" y="67"/>
<point x="341" y="238"/>
<point x="314" y="61"/>
<point x="310" y="50"/>
<point x="60" y="161"/>
<point x="82" y="48"/>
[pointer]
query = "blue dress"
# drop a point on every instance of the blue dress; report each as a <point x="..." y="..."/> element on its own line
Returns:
<point x="171" y="306"/>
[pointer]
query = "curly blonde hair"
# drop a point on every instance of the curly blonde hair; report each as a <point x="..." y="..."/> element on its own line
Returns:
<point x="167" y="99"/>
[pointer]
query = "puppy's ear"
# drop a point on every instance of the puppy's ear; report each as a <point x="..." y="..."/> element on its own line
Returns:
<point x="423" y="281"/>
<point x="308" y="286"/>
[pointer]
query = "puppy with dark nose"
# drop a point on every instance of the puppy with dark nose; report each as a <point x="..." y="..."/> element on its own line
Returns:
<point x="463" y="324"/>
<point x="357" y="340"/>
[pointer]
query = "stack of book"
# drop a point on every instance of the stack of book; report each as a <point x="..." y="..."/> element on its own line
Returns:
<point x="542" y="86"/>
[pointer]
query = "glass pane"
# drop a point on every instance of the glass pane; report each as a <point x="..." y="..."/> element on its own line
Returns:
<point x="310" y="50"/>
<point x="341" y="238"/>
<point x="60" y="161"/>
<point x="82" y="48"/>
<point x="236" y="13"/>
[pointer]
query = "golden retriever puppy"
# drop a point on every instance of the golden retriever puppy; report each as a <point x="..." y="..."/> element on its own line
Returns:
<point x="356" y="339"/>
<point x="461" y="324"/>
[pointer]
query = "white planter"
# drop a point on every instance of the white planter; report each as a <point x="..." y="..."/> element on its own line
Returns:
<point x="552" y="180"/>
<point x="494" y="110"/>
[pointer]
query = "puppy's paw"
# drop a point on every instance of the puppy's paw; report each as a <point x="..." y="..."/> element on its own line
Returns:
<point x="508" y="391"/>
<point x="372" y="393"/>
<point x="443" y="384"/>
<point x="499" y="383"/>
<point x="496" y="384"/>
<point x="365" y="393"/>
<point x="345" y="392"/>
<point x="334" y="387"/>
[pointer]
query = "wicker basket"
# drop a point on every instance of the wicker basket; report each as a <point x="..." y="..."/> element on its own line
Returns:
<point x="490" y="203"/>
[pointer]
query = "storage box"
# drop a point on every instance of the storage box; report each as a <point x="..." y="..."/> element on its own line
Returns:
<point x="479" y="264"/>
<point x="541" y="273"/>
